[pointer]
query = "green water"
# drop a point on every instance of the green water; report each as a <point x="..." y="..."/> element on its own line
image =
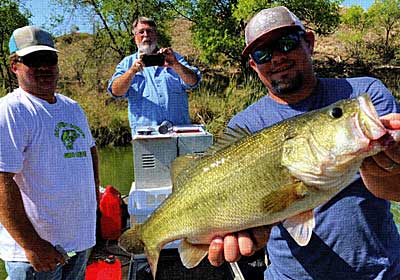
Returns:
<point x="116" y="168"/>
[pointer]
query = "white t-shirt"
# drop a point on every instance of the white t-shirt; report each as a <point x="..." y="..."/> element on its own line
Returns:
<point x="48" y="147"/>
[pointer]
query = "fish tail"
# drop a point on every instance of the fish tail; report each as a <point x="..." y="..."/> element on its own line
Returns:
<point x="131" y="240"/>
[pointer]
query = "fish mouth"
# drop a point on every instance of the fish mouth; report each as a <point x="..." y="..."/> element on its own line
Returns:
<point x="368" y="120"/>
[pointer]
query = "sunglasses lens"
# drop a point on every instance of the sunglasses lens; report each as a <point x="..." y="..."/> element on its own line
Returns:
<point x="288" y="43"/>
<point x="285" y="44"/>
<point x="38" y="59"/>
<point x="262" y="56"/>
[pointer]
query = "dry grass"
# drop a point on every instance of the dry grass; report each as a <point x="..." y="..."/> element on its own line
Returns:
<point x="329" y="47"/>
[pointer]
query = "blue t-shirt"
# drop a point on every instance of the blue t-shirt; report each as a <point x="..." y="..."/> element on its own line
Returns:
<point x="156" y="94"/>
<point x="355" y="236"/>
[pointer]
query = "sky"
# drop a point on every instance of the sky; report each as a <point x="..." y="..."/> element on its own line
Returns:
<point x="43" y="10"/>
<point x="363" y="3"/>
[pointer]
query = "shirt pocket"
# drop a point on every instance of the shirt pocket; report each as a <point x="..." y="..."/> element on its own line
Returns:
<point x="138" y="87"/>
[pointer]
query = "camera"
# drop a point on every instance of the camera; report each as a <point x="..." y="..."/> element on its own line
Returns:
<point x="153" y="59"/>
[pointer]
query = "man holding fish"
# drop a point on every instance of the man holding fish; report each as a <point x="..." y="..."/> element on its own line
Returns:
<point x="354" y="236"/>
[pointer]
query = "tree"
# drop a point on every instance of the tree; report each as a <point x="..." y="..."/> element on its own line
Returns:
<point x="113" y="20"/>
<point x="386" y="14"/>
<point x="357" y="18"/>
<point x="357" y="23"/>
<point x="321" y="16"/>
<point x="216" y="32"/>
<point x="112" y="37"/>
<point x="11" y="18"/>
<point x="218" y="25"/>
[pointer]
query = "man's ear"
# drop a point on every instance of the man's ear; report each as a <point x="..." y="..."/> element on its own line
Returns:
<point x="309" y="37"/>
<point x="252" y="64"/>
<point x="13" y="66"/>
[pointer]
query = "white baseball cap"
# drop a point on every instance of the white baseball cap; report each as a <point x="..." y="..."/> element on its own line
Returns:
<point x="29" y="39"/>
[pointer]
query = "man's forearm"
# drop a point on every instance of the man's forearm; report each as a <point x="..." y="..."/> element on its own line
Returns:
<point x="121" y="84"/>
<point x="12" y="213"/>
<point x="186" y="74"/>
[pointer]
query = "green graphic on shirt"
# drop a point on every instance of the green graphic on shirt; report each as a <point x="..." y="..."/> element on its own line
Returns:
<point x="68" y="137"/>
<point x="68" y="133"/>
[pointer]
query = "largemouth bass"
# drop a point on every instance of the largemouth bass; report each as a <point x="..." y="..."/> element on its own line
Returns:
<point x="278" y="174"/>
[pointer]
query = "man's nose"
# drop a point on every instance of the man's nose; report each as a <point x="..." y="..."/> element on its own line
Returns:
<point x="278" y="55"/>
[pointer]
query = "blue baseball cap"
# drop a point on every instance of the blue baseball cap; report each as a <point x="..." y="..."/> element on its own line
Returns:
<point x="29" y="39"/>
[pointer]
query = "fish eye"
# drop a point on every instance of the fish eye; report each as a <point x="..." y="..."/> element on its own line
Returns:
<point x="336" y="112"/>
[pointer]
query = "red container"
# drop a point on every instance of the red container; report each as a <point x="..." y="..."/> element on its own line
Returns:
<point x="108" y="269"/>
<point x="110" y="209"/>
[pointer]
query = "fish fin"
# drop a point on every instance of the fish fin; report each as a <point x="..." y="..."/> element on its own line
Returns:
<point x="130" y="241"/>
<point x="300" y="227"/>
<point x="280" y="199"/>
<point x="191" y="255"/>
<point x="153" y="254"/>
<point x="230" y="136"/>
<point x="179" y="166"/>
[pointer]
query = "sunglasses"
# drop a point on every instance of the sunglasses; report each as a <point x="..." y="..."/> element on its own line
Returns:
<point x="284" y="44"/>
<point x="38" y="59"/>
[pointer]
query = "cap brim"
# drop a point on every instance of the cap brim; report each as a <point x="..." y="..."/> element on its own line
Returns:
<point x="32" y="49"/>
<point x="268" y="36"/>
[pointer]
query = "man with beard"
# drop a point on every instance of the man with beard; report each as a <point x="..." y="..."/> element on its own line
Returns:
<point x="355" y="236"/>
<point x="155" y="93"/>
<point x="48" y="169"/>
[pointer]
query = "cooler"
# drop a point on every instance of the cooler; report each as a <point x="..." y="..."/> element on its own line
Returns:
<point x="154" y="153"/>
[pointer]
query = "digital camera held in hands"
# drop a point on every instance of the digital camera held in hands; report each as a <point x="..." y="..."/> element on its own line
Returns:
<point x="153" y="59"/>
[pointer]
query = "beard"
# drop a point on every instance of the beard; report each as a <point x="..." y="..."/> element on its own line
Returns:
<point x="146" y="48"/>
<point x="286" y="87"/>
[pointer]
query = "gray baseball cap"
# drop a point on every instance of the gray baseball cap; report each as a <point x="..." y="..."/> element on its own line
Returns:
<point x="29" y="39"/>
<point x="267" y="25"/>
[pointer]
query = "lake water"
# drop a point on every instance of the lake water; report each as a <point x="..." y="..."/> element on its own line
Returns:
<point x="116" y="168"/>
